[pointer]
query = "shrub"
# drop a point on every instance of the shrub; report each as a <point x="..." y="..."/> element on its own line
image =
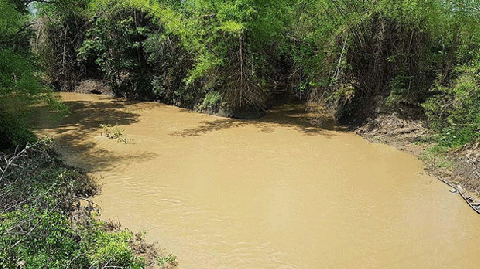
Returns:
<point x="455" y="110"/>
<point x="36" y="238"/>
<point x="380" y="49"/>
<point x="41" y="222"/>
<point x="14" y="132"/>
<point x="113" y="248"/>
<point x="211" y="102"/>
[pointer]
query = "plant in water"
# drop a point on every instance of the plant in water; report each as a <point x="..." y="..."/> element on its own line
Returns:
<point x="113" y="132"/>
<point x="168" y="261"/>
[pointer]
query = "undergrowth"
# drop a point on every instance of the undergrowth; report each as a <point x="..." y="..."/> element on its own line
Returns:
<point x="44" y="224"/>
<point x="454" y="112"/>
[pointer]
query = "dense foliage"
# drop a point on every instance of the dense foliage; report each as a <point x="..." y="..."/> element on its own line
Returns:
<point x="175" y="52"/>
<point x="42" y="224"/>
<point x="353" y="58"/>
<point x="455" y="111"/>
<point x="59" y="34"/>
<point x="17" y="81"/>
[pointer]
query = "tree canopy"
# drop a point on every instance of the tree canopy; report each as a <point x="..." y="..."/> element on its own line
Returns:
<point x="349" y="57"/>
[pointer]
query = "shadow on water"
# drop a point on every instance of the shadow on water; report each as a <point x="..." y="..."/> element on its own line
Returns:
<point x="290" y="115"/>
<point x="73" y="132"/>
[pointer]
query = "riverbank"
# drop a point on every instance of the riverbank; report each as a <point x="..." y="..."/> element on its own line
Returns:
<point x="458" y="168"/>
<point x="47" y="218"/>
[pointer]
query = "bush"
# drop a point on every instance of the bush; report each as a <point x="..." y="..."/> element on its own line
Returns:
<point x="383" y="50"/>
<point x="36" y="238"/>
<point x="455" y="110"/>
<point x="113" y="248"/>
<point x="14" y="132"/>
<point x="212" y="102"/>
<point x="42" y="224"/>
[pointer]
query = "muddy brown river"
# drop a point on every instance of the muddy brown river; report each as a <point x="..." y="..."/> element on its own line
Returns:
<point x="268" y="193"/>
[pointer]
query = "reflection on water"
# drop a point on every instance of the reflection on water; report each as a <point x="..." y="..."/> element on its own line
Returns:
<point x="269" y="193"/>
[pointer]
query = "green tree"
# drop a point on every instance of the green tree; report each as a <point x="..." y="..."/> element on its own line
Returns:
<point x="19" y="84"/>
<point x="60" y="29"/>
<point x="115" y="42"/>
<point x="357" y="54"/>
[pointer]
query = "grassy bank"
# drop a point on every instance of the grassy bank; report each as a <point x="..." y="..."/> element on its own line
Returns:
<point x="48" y="221"/>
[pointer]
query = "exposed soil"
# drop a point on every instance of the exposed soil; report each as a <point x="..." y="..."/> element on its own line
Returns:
<point x="93" y="87"/>
<point x="406" y="135"/>
<point x="460" y="169"/>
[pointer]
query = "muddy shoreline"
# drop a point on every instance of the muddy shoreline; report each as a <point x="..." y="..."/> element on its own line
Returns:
<point x="459" y="169"/>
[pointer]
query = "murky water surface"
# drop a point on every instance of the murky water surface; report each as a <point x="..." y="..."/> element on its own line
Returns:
<point x="267" y="193"/>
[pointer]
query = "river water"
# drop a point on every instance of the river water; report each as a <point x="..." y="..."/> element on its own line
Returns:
<point x="268" y="193"/>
